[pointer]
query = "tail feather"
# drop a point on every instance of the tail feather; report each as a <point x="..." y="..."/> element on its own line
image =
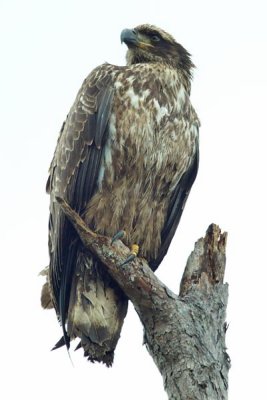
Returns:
<point x="97" y="309"/>
<point x="59" y="344"/>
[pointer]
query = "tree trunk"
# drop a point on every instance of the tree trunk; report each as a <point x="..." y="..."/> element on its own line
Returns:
<point x="185" y="333"/>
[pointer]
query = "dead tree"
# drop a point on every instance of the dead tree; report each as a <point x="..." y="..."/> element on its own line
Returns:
<point x="185" y="333"/>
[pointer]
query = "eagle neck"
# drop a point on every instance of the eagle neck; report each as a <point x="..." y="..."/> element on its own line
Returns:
<point x="184" y="75"/>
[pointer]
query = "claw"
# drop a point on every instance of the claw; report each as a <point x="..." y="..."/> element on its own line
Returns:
<point x="117" y="236"/>
<point x="132" y="256"/>
<point x="128" y="259"/>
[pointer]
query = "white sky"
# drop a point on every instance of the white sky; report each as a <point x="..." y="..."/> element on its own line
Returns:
<point x="47" y="49"/>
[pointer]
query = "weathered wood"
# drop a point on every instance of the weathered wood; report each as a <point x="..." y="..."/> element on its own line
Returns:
<point x="185" y="334"/>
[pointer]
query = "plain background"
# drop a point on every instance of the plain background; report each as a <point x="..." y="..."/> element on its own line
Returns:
<point x="47" y="49"/>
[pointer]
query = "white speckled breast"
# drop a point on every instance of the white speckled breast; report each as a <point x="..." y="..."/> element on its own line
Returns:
<point x="152" y="141"/>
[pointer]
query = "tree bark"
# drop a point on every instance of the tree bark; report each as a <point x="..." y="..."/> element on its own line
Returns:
<point x="185" y="333"/>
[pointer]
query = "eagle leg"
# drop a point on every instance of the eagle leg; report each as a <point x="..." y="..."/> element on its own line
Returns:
<point x="133" y="254"/>
<point x="134" y="248"/>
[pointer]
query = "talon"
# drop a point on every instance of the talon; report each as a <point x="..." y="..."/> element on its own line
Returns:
<point x="134" y="252"/>
<point x="128" y="259"/>
<point x="117" y="236"/>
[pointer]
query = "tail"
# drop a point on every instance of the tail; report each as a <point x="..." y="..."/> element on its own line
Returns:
<point x="97" y="309"/>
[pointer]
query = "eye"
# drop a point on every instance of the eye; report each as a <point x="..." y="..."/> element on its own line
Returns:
<point x="155" y="38"/>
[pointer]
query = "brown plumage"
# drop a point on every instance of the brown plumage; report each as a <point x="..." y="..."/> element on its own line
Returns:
<point x="126" y="158"/>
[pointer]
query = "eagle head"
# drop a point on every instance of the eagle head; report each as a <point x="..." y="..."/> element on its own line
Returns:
<point x="147" y="43"/>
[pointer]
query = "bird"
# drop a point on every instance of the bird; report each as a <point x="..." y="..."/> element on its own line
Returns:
<point x="125" y="160"/>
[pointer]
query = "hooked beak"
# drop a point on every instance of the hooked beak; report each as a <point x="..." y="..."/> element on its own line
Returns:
<point x="129" y="37"/>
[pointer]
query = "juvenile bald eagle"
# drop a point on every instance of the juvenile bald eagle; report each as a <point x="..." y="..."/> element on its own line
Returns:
<point x="126" y="158"/>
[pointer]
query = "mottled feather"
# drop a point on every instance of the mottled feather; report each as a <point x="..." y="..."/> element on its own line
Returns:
<point x="126" y="158"/>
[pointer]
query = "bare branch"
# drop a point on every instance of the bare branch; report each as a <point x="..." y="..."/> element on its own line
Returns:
<point x="206" y="264"/>
<point x="185" y="334"/>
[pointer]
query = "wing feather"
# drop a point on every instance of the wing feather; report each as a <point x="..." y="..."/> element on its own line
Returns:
<point x="73" y="176"/>
<point x="103" y="115"/>
<point x="175" y="210"/>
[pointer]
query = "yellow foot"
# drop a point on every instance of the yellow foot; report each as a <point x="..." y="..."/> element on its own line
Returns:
<point x="133" y="254"/>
